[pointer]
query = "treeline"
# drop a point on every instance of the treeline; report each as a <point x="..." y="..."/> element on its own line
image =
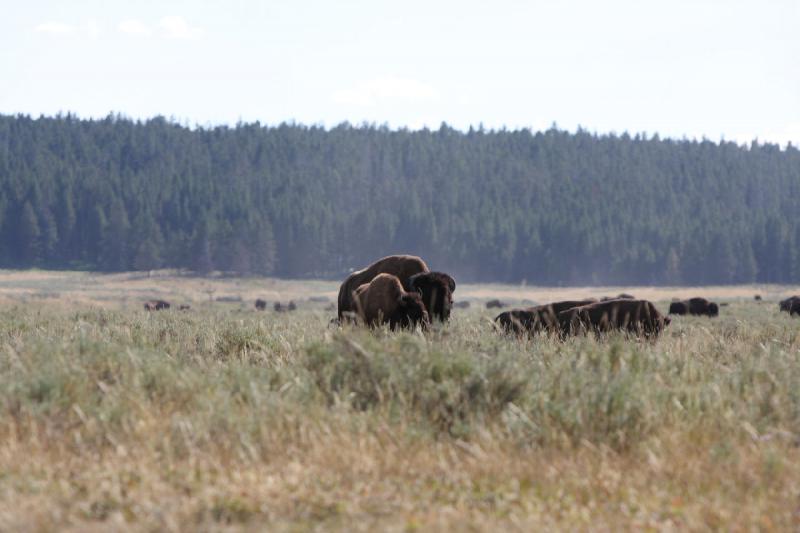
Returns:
<point x="549" y="207"/>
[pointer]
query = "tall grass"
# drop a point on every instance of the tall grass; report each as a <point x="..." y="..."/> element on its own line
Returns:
<point x="216" y="419"/>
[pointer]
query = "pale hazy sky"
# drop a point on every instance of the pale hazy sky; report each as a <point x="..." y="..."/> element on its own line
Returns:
<point x="679" y="68"/>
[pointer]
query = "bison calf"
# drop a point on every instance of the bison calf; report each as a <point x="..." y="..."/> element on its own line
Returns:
<point x="384" y="301"/>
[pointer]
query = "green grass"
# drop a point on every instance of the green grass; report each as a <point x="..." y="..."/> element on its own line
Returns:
<point x="220" y="418"/>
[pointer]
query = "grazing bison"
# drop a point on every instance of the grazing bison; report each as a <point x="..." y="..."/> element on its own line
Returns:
<point x="184" y="307"/>
<point x="757" y="298"/>
<point x="495" y="304"/>
<point x="791" y="305"/>
<point x="694" y="306"/>
<point x="633" y="316"/>
<point x="292" y="306"/>
<point x="261" y="305"/>
<point x="401" y="266"/>
<point x="538" y="318"/>
<point x="436" y="289"/>
<point x="384" y="301"/>
<point x="278" y="307"/>
<point x="156" y="305"/>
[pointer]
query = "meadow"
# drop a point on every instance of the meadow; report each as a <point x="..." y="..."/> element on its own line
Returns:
<point x="226" y="418"/>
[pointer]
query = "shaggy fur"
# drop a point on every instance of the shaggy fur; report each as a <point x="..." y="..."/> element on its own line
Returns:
<point x="436" y="289"/>
<point x="535" y="319"/>
<point x="639" y="317"/>
<point x="384" y="301"/>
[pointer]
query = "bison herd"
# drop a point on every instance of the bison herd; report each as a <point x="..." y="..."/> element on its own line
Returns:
<point x="400" y="291"/>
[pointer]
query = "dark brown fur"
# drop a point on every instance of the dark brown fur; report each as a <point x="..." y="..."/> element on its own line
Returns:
<point x="538" y="318"/>
<point x="436" y="289"/>
<point x="639" y="317"/>
<point x="401" y="266"/>
<point x="789" y="305"/>
<point x="384" y="301"/>
<point x="261" y="305"/>
<point x="495" y="304"/>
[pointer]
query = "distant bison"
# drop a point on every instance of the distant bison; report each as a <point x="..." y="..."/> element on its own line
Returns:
<point x="292" y="306"/>
<point x="184" y="307"/>
<point x="495" y="304"/>
<point x="401" y="266"/>
<point x="791" y="305"/>
<point x="156" y="305"/>
<point x="694" y="306"/>
<point x="535" y="319"/>
<point x="633" y="316"/>
<point x="384" y="301"/>
<point x="463" y="304"/>
<point x="436" y="289"/>
<point x="261" y="305"/>
<point x="757" y="297"/>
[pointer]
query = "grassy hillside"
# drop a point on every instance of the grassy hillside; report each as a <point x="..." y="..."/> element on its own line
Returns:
<point x="224" y="417"/>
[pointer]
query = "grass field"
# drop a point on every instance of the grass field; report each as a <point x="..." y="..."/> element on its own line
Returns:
<point x="226" y="418"/>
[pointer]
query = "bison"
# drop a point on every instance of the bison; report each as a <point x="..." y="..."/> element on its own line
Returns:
<point x="538" y="318"/>
<point x="694" y="306"/>
<point x="436" y="289"/>
<point x="184" y="307"/>
<point x="401" y="266"/>
<point x="791" y="305"/>
<point x="495" y="304"/>
<point x="261" y="305"/>
<point x="384" y="301"/>
<point x="156" y="305"/>
<point x="633" y="316"/>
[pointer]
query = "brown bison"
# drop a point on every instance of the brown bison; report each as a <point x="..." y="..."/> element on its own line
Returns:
<point x="495" y="304"/>
<point x="633" y="316"/>
<point x="401" y="266"/>
<point x="694" y="306"/>
<point x="184" y="307"/>
<point x="791" y="305"/>
<point x="384" y="301"/>
<point x="436" y="289"/>
<point x="261" y="305"/>
<point x="535" y="319"/>
<point x="156" y="305"/>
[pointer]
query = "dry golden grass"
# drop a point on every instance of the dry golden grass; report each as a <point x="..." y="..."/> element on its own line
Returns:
<point x="225" y="418"/>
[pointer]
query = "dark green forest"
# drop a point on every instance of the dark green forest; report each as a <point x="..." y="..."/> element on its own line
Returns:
<point x="548" y="207"/>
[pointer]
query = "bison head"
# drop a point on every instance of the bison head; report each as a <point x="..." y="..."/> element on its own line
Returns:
<point x="713" y="309"/>
<point x="410" y="312"/>
<point x="436" y="289"/>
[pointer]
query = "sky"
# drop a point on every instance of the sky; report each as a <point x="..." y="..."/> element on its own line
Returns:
<point x="715" y="69"/>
